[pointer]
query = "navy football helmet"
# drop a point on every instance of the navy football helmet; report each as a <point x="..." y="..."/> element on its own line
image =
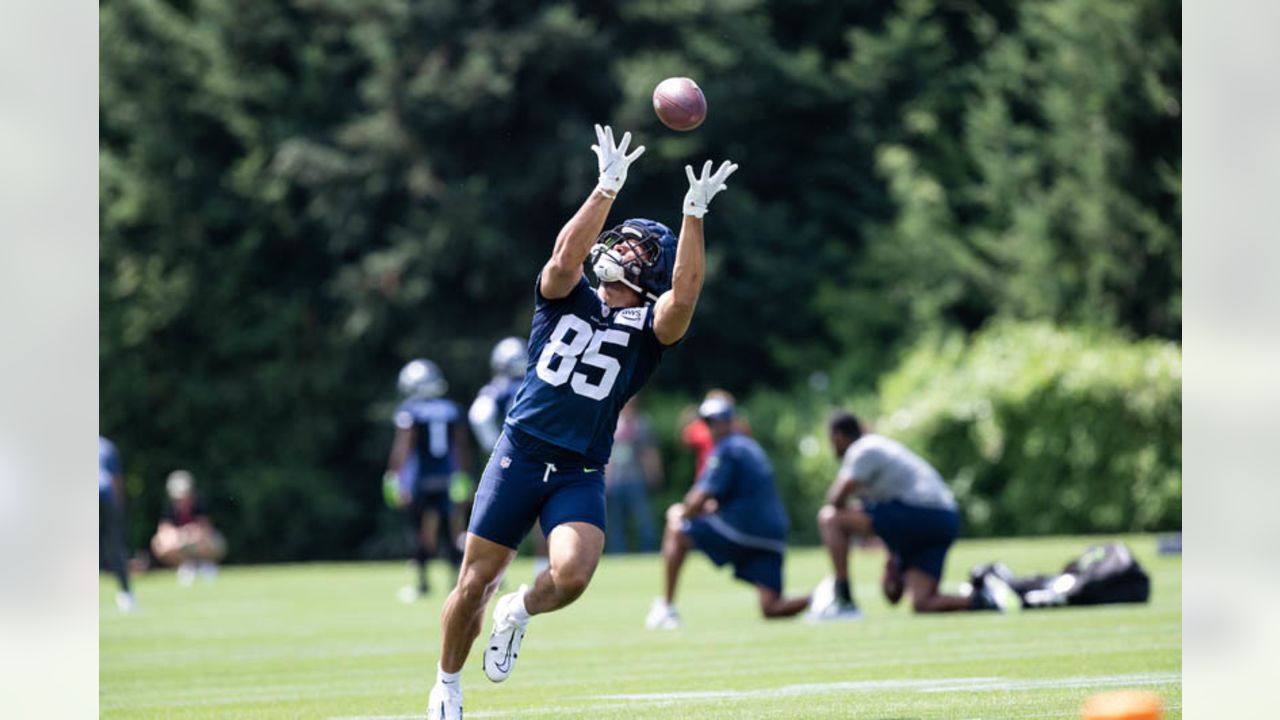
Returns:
<point x="653" y="256"/>
<point x="422" y="379"/>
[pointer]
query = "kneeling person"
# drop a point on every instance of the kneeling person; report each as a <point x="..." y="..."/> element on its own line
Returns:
<point x="733" y="515"/>
<point x="908" y="506"/>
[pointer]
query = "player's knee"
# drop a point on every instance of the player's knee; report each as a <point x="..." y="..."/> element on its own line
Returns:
<point x="475" y="585"/>
<point x="572" y="579"/>
<point x="675" y="517"/>
<point x="828" y="516"/>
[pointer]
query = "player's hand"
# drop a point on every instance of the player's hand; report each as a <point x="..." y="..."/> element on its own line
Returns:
<point x="391" y="490"/>
<point x="613" y="159"/>
<point x="702" y="189"/>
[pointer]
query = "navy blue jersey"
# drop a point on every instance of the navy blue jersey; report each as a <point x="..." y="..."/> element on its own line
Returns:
<point x="590" y="360"/>
<point x="740" y="478"/>
<point x="432" y="453"/>
<point x="489" y="410"/>
<point x="108" y="465"/>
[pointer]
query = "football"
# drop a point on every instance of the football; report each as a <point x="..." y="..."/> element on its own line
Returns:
<point x="679" y="103"/>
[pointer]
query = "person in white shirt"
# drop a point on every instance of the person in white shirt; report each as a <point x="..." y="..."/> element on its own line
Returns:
<point x="904" y="502"/>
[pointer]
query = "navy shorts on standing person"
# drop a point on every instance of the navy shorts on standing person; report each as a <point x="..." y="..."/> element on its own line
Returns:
<point x="919" y="536"/>
<point x="723" y="544"/>
<point x="528" y="479"/>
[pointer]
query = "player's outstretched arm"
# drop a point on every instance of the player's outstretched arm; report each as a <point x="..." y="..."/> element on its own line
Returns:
<point x="674" y="310"/>
<point x="573" y="244"/>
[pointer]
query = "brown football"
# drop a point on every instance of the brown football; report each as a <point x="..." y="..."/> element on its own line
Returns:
<point x="679" y="103"/>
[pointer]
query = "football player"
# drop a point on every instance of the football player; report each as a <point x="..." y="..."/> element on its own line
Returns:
<point x="907" y="505"/>
<point x="509" y="360"/>
<point x="734" y="515"/>
<point x="430" y="451"/>
<point x="111" y="544"/>
<point x="594" y="349"/>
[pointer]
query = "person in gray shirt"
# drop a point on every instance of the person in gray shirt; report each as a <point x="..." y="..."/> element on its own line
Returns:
<point x="904" y="502"/>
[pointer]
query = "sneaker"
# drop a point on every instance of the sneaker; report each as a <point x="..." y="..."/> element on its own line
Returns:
<point x="125" y="602"/>
<point x="995" y="594"/>
<point x="824" y="595"/>
<point x="504" y="641"/>
<point x="834" y="611"/>
<point x="662" y="616"/>
<point x="409" y="594"/>
<point x="445" y="702"/>
<point x="186" y="574"/>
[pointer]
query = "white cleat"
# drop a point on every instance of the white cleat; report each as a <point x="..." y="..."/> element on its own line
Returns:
<point x="662" y="616"/>
<point x="504" y="642"/>
<point x="125" y="602"/>
<point x="445" y="702"/>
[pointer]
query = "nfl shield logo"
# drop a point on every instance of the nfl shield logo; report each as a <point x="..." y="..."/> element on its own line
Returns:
<point x="505" y="462"/>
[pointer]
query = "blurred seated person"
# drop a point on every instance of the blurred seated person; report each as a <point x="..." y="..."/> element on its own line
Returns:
<point x="186" y="538"/>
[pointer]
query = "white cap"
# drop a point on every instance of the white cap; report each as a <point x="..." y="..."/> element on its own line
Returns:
<point x="715" y="408"/>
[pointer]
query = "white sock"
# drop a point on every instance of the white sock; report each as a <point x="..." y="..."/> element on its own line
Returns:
<point x="448" y="678"/>
<point x="519" y="612"/>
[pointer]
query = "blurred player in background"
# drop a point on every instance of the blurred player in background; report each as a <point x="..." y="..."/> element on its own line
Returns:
<point x="695" y="435"/>
<point x="111" y="543"/>
<point x="904" y="502"/>
<point x="733" y="514"/>
<point x="185" y="537"/>
<point x="430" y="455"/>
<point x="634" y="469"/>
<point x="594" y="350"/>
<point x="509" y="361"/>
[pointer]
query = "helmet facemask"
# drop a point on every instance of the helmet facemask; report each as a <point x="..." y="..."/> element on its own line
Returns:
<point x="640" y="249"/>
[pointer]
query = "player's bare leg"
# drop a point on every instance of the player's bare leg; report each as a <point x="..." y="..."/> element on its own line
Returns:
<point x="483" y="563"/>
<point x="836" y="528"/>
<point x="925" y="597"/>
<point x="675" y="546"/>
<point x="773" y="605"/>
<point x="574" y="552"/>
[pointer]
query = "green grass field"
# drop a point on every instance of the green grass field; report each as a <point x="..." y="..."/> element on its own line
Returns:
<point x="332" y="641"/>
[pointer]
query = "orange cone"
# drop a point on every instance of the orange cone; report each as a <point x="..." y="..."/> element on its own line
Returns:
<point x="1123" y="705"/>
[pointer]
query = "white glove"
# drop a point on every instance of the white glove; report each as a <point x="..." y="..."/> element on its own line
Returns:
<point x="701" y="190"/>
<point x="613" y="159"/>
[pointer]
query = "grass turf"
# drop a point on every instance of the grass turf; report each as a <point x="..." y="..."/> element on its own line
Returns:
<point x="331" y="641"/>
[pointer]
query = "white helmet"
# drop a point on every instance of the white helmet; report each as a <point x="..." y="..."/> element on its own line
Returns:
<point x="422" y="379"/>
<point x="509" y="357"/>
<point x="179" y="484"/>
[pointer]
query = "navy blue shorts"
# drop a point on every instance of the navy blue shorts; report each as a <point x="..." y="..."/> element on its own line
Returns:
<point x="757" y="566"/>
<point x="526" y="480"/>
<point x="920" y="537"/>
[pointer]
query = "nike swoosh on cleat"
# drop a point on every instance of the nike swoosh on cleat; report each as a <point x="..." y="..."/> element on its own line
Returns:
<point x="590" y="470"/>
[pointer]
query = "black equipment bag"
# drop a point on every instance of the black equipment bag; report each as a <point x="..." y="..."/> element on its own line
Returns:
<point x="1103" y="574"/>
